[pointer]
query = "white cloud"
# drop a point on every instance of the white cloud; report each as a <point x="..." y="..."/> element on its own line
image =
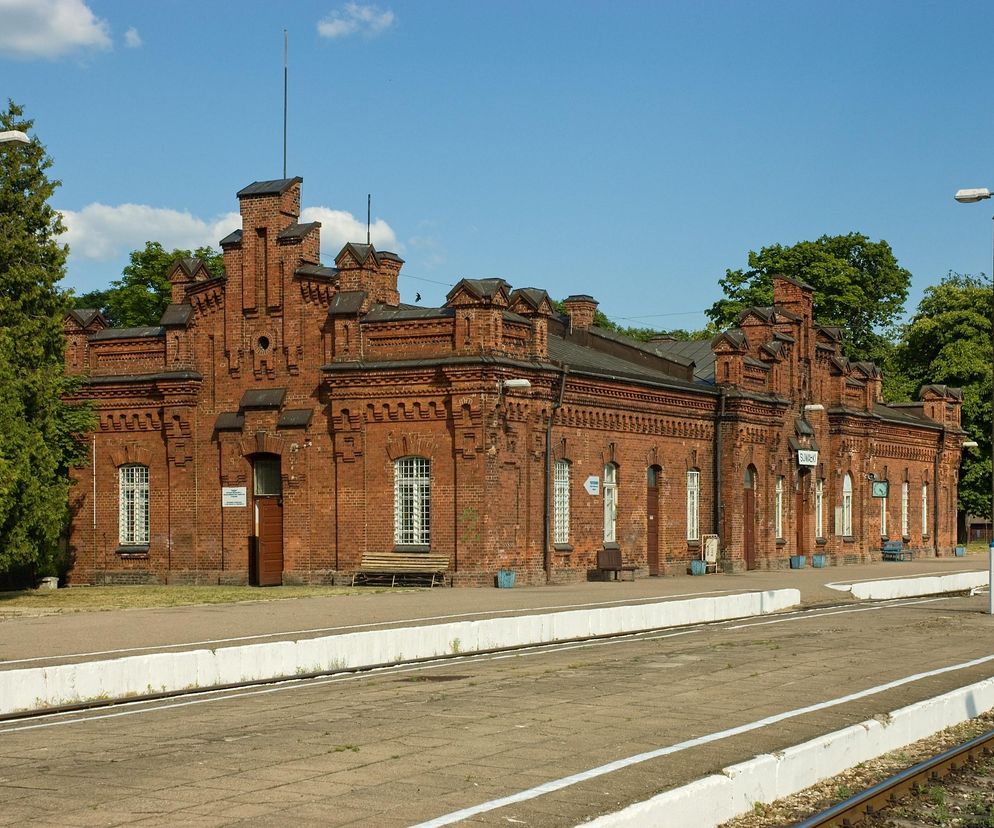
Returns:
<point x="104" y="233"/>
<point x="132" y="39"/>
<point x="49" y="28"/>
<point x="339" y="227"/>
<point x="354" y="18"/>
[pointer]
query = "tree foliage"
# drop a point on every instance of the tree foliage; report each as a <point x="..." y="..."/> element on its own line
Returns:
<point x="142" y="293"/>
<point x="858" y="286"/>
<point x="39" y="431"/>
<point x="948" y="341"/>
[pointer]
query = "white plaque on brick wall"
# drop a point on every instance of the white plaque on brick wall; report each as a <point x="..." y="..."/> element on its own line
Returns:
<point x="234" y="496"/>
<point x="806" y="457"/>
<point x="593" y="485"/>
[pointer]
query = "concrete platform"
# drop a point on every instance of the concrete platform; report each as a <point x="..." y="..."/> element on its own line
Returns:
<point x="32" y="641"/>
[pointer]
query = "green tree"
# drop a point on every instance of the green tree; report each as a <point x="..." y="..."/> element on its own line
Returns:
<point x="142" y="293"/>
<point x="94" y="299"/>
<point x="39" y="431"/>
<point x="858" y="286"/>
<point x="948" y="341"/>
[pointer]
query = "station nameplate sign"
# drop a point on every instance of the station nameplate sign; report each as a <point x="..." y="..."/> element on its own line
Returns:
<point x="593" y="485"/>
<point x="234" y="496"/>
<point x="806" y="457"/>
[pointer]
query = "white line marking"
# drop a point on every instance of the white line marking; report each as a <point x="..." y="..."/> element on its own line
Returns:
<point x="398" y="622"/>
<point x="620" y="764"/>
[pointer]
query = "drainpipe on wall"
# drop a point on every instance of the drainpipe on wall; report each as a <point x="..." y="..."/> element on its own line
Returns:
<point x="935" y="493"/>
<point x="546" y="516"/>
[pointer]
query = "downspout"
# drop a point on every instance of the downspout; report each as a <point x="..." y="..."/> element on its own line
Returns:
<point x="546" y="516"/>
<point x="717" y="470"/>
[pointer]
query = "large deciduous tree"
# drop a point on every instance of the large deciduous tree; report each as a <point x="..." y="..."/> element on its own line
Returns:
<point x="142" y="293"/>
<point x="948" y="341"/>
<point x="858" y="285"/>
<point x="39" y="431"/>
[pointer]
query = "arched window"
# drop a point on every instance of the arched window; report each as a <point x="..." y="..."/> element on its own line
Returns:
<point x="132" y="505"/>
<point x="820" y="508"/>
<point x="610" y="502"/>
<point x="778" y="508"/>
<point x="904" y="509"/>
<point x="561" y="501"/>
<point x="412" y="501"/>
<point x="847" y="506"/>
<point x="693" y="505"/>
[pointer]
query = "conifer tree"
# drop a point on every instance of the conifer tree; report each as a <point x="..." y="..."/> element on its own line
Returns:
<point x="39" y="430"/>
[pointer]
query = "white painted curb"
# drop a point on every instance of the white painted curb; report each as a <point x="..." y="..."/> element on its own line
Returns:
<point x="710" y="801"/>
<point x="913" y="587"/>
<point x="40" y="687"/>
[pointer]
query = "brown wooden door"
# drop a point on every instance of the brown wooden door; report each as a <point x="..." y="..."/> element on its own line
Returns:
<point x="269" y="531"/>
<point x="652" y="519"/>
<point x="749" y="519"/>
<point x="800" y="513"/>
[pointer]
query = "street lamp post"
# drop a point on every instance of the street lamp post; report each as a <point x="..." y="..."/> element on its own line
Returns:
<point x="968" y="197"/>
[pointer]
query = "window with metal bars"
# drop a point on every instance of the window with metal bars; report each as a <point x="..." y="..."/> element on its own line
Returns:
<point x="132" y="505"/>
<point x="693" y="505"/>
<point x="904" y="509"/>
<point x="561" y="501"/>
<point x="610" y="502"/>
<point x="412" y="501"/>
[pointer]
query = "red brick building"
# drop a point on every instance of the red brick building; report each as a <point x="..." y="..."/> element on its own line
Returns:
<point x="303" y="411"/>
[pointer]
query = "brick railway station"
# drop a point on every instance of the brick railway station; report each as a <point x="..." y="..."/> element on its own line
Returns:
<point x="287" y="419"/>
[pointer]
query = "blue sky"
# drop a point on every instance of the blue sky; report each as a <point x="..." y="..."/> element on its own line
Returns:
<point x="632" y="151"/>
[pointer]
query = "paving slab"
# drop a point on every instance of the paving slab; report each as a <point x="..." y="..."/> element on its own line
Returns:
<point x="27" y="641"/>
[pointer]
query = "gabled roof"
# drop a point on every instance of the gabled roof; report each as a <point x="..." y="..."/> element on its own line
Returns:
<point x="311" y="271"/>
<point x="191" y="267"/>
<point x="277" y="186"/>
<point x="535" y="298"/>
<point x="765" y="314"/>
<point x="733" y="336"/>
<point x="346" y="303"/>
<point x="940" y="391"/>
<point x="488" y="289"/>
<point x="86" y="316"/>
<point x="359" y="252"/>
<point x="792" y="280"/>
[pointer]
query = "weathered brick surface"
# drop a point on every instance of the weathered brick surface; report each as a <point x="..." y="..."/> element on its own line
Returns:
<point x="384" y="381"/>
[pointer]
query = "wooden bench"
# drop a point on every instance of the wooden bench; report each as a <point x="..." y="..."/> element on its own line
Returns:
<point x="403" y="566"/>
<point x="609" y="560"/>
<point x="893" y="550"/>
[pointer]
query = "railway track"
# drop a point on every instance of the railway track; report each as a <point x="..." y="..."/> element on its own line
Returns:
<point x="955" y="787"/>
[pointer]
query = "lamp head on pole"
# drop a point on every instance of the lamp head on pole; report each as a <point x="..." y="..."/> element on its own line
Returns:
<point x="972" y="194"/>
<point x="14" y="135"/>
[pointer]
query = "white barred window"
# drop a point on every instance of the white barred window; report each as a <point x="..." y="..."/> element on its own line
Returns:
<point x="883" y="516"/>
<point x="610" y="502"/>
<point x="412" y="501"/>
<point x="561" y="501"/>
<point x="904" y="508"/>
<point x="693" y="505"/>
<point x="847" y="506"/>
<point x="820" y="508"/>
<point x="924" y="509"/>
<point x="132" y="505"/>
<point x="778" y="508"/>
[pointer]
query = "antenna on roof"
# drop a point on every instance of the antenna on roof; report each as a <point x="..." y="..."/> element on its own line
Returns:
<point x="285" y="50"/>
<point x="369" y="202"/>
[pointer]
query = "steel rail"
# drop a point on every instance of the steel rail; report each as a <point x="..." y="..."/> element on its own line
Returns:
<point x="852" y="811"/>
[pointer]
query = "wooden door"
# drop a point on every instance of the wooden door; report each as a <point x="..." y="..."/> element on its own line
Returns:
<point x="749" y="518"/>
<point x="652" y="519"/>
<point x="269" y="532"/>
<point x="800" y="513"/>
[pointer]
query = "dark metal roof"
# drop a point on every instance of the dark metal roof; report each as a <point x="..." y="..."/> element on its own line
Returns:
<point x="793" y="281"/>
<point x="311" y="271"/>
<point x="297" y="231"/>
<point x="295" y="418"/>
<point x="127" y="333"/>
<point x="510" y="316"/>
<point x="154" y="377"/>
<point x="234" y="237"/>
<point x="386" y="254"/>
<point x="389" y="313"/>
<point x="262" y="398"/>
<point x="581" y="297"/>
<point x="177" y="315"/>
<point x="481" y="288"/>
<point x="803" y="427"/>
<point x="346" y="303"/>
<point x="274" y="187"/>
<point x="229" y="421"/>
<point x="697" y="351"/>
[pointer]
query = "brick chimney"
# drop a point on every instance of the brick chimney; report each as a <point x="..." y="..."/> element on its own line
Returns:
<point x="581" y="309"/>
